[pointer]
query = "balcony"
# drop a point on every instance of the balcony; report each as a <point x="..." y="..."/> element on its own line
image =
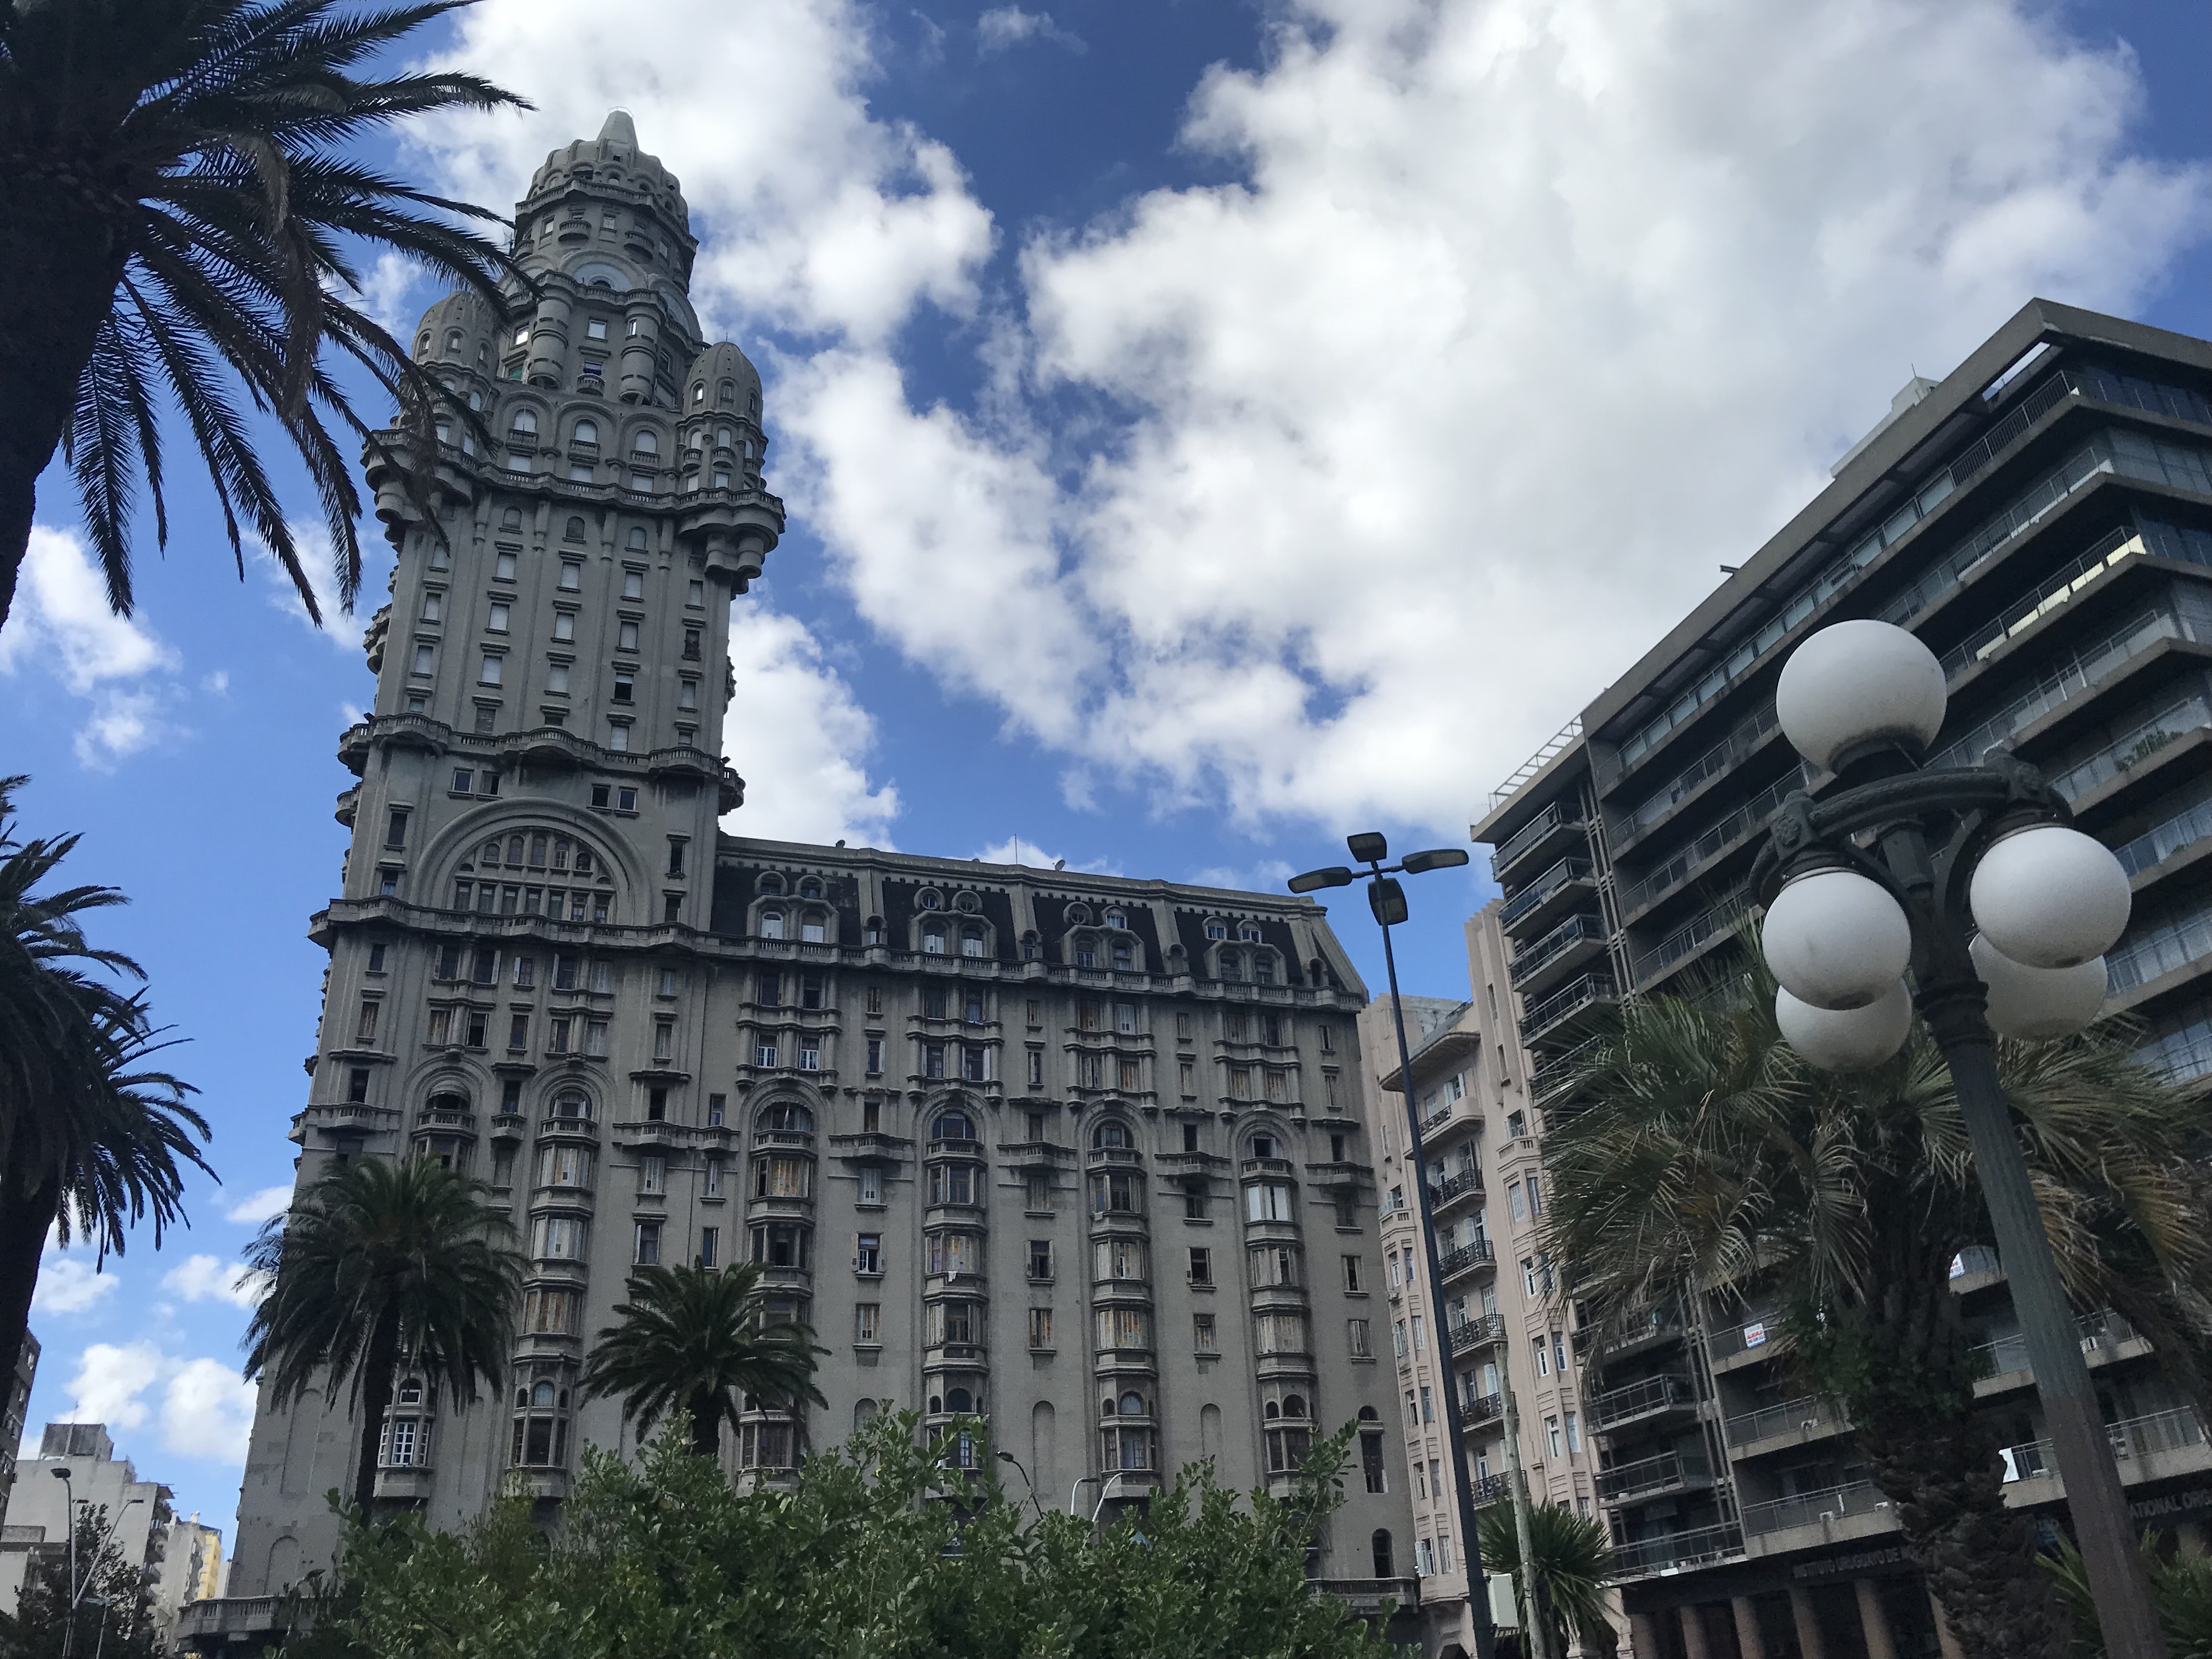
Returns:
<point x="1650" y="1477"/>
<point x="1860" y="1498"/>
<point x="1552" y="831"/>
<point x="1492" y="1489"/>
<point x="1454" y="1187"/>
<point x="1671" y="1551"/>
<point x="1655" y="1396"/>
<point x="1465" y="1259"/>
<point x="1479" y="1332"/>
<point x="1635" y="1334"/>
<point x="1580" y="938"/>
<point x="2003" y="1363"/>
<point x="1529" y="912"/>
<point x="1591" y="991"/>
<point x="1744" y="1343"/>
<point x="1482" y="1409"/>
<point x="1807" y="1417"/>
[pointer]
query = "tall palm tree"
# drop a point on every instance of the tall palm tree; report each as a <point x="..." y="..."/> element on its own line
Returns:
<point x="380" y="1266"/>
<point x="90" y="1138"/>
<point x="698" y="1340"/>
<point x="1693" y="1152"/>
<point x="1573" y="1563"/>
<point x="175" y="206"/>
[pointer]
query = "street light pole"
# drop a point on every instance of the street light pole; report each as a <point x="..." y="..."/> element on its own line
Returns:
<point x="1387" y="899"/>
<point x="1008" y="1457"/>
<point x="69" y="1523"/>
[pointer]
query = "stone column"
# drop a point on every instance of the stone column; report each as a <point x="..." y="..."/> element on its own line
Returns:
<point x="1809" y="1641"/>
<point x="1693" y="1632"/>
<point x="1748" y="1641"/>
<point x="1945" y="1641"/>
<point x="1643" y="1635"/>
<point x="1874" y="1619"/>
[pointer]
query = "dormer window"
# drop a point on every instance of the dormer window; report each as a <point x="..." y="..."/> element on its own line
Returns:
<point x="1217" y="930"/>
<point x="809" y="888"/>
<point x="931" y="902"/>
<point x="1117" y="919"/>
<point x="1249" y="933"/>
<point x="771" y="882"/>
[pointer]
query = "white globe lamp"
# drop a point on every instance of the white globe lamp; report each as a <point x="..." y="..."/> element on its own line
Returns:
<point x="1836" y="940"/>
<point x="1853" y="1040"/>
<point x="1856" y="681"/>
<point x="2049" y="896"/>
<point x="2039" y="1005"/>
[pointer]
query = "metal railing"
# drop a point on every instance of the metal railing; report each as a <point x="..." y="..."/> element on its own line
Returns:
<point x="1652" y="1325"/>
<point x="1491" y="1488"/>
<point x="1747" y="735"/>
<point x="1452" y="1186"/>
<point x="1809" y="1413"/>
<point x="2161" y="1432"/>
<point x="1551" y="746"/>
<point x="1562" y="939"/>
<point x="1476" y="1254"/>
<point x="1667" y="1472"/>
<point x="1706" y="925"/>
<point x="1481" y="1409"/>
<point x="2174" y="943"/>
<point x="1975" y="1258"/>
<point x="1637" y="1398"/>
<point x="2053" y="591"/>
<point x="1553" y="878"/>
<point x="1569" y="1000"/>
<point x="1745" y="820"/>
<point x="1553" y="817"/>
<point x="2104" y="1329"/>
<point x="1691" y="1548"/>
<point x="1477" y="1332"/>
<point x="2161" y="842"/>
<point x="1760" y="1334"/>
<point x="1805" y="1508"/>
<point x="2124" y="754"/>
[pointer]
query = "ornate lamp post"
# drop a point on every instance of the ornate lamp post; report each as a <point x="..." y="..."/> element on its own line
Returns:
<point x="1969" y="877"/>
<point x="1387" y="899"/>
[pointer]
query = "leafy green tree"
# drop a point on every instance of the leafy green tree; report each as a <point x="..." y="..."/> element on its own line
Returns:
<point x="1574" y="1563"/>
<point x="882" y="1550"/>
<point x="113" y="1611"/>
<point x="91" y="1139"/>
<point x="697" y="1341"/>
<point x="382" y="1265"/>
<point x="1693" y="1152"/>
<point x="176" y="206"/>
<point x="2181" y="1586"/>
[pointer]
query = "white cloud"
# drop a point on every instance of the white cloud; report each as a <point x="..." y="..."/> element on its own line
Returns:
<point x="1329" y="493"/>
<point x="211" y="1279"/>
<point x="1267" y="876"/>
<point x="69" y="1284"/>
<point x="61" y="623"/>
<point x="385" y="293"/>
<point x="257" y="1207"/>
<point x="312" y="547"/>
<point x="1010" y="26"/>
<point x="799" y="736"/>
<point x="206" y="1407"/>
<point x="1015" y="850"/>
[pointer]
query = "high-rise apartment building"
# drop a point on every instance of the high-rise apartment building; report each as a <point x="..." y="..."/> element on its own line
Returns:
<point x="15" y="1404"/>
<point x="1078" y="1155"/>
<point x="2043" y="520"/>
<point x="76" y="1465"/>
<point x="1505" y="1319"/>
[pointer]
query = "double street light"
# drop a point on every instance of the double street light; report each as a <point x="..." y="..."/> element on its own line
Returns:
<point x="1969" y="877"/>
<point x="1387" y="899"/>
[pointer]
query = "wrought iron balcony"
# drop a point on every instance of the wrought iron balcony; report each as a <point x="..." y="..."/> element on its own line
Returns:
<point x="1477" y="1409"/>
<point x="1467" y="1257"/>
<point x="1478" y="1332"/>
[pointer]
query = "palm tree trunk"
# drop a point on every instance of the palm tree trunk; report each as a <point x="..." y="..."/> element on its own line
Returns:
<point x="706" y="1424"/>
<point x="375" y="1400"/>
<point x="1937" y="1463"/>
<point x="24" y="1220"/>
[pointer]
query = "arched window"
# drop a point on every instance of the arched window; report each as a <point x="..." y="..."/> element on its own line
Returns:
<point x="957" y="1399"/>
<point x="525" y="422"/>
<point x="1117" y="919"/>
<point x="931" y="901"/>
<point x="1369" y="1415"/>
<point x="587" y="432"/>
<point x="1111" y="1133"/>
<point x="453" y="340"/>
<point x="1123" y="954"/>
<point x="1249" y="933"/>
<point x="1078" y="915"/>
<point x="1271" y="1411"/>
<point x="932" y="939"/>
<point x="1379" y="1544"/>
<point x="809" y="888"/>
<point x="574" y="530"/>
<point x="1132" y="1404"/>
<point x="788" y="1116"/>
<point x="723" y="437"/>
<point x="771" y="882"/>
<point x="967" y="904"/>
<point x="645" y="443"/>
<point x="952" y="1126"/>
<point x="1032" y="948"/>
<point x="725" y="394"/>
<point x="699" y="392"/>
<point x="573" y="1104"/>
<point x="422" y="344"/>
<point x="771" y="924"/>
<point x="1086" y="951"/>
<point x="1294" y="1405"/>
<point x="814" y="928"/>
<point x="1217" y="930"/>
<point x="511" y="520"/>
<point x="971" y="940"/>
<point x="1232" y="965"/>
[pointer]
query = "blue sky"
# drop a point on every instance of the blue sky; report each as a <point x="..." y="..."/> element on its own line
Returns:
<point x="1207" y="429"/>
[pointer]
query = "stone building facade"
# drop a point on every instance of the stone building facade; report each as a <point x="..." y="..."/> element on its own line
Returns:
<point x="1079" y="1155"/>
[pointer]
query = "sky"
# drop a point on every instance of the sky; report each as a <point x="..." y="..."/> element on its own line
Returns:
<point x="1208" y="426"/>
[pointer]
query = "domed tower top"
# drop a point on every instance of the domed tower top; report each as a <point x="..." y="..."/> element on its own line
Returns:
<point x="604" y="211"/>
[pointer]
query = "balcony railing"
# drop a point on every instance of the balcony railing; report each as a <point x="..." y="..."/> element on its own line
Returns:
<point x="1492" y="1489"/>
<point x="1809" y="1412"/>
<point x="1561" y="939"/>
<point x="1691" y="1548"/>
<point x="1764" y="1334"/>
<point x="2122" y="542"/>
<point x="1454" y="1186"/>
<point x="2102" y="1329"/>
<point x="1476" y="1409"/>
<point x="1803" y="1510"/>
<point x="2161" y="842"/>
<point x="1554" y="817"/>
<point x="1653" y="1393"/>
<point x="1563" y="1004"/>
<point x="1652" y="1325"/>
<point x="2161" y="1432"/>
<point x="1668" y="1472"/>
<point x="1477" y="1254"/>
<point x="1974" y="1258"/>
<point x="1707" y="924"/>
<point x="1477" y="1332"/>
<point x="1565" y="871"/>
<point x="1743" y="820"/>
<point x="2158" y="950"/>
<point x="1553" y="746"/>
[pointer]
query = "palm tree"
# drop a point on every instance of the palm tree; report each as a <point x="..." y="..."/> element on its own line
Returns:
<point x="1691" y="1152"/>
<point x="382" y="1265"/>
<point x="1573" y="1561"/>
<point x="90" y="1140"/>
<point x="174" y="207"/>
<point x="698" y="1340"/>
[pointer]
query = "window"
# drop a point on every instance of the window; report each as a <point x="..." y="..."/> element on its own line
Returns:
<point x="710" y="1246"/>
<point x="875" y="1056"/>
<point x="867" y="1322"/>
<point x="572" y="579"/>
<point x="633" y="585"/>
<point x="1535" y="1198"/>
<point x="1040" y="1328"/>
<point x="711" y="1185"/>
<point x="365" y="1028"/>
<point x="1267" y="1201"/>
<point x="1202" y="1333"/>
<point x="1529" y="1275"/>
<point x="1115" y="1192"/>
<point x="1551" y="1437"/>
<point x="1356" y="1334"/>
<point x="951" y="1183"/>
<point x="1040" y="1258"/>
<point x="652" y="1174"/>
<point x="1574" y="1432"/>
<point x="357" y="1084"/>
<point x="648" y="1251"/>
<point x="1201" y="1266"/>
<point x="868" y="1254"/>
<point x="1036" y="1069"/>
<point x="871" y="1183"/>
<point x="1428" y="1405"/>
<point x="1124" y="1327"/>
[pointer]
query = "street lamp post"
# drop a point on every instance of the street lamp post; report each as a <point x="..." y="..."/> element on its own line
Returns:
<point x="1387" y="899"/>
<point x="1008" y="1457"/>
<point x="69" y="1524"/>
<point x="1969" y="877"/>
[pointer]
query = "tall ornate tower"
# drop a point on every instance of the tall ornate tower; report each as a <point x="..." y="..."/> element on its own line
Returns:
<point x="534" y="825"/>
